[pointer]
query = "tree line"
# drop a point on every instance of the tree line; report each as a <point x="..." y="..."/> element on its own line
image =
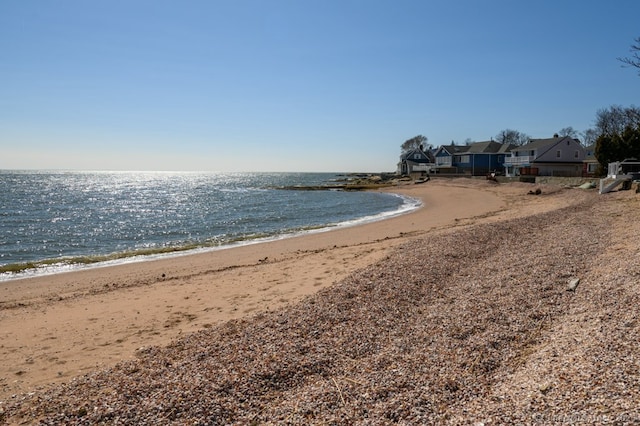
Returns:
<point x="618" y="135"/>
<point x="506" y="136"/>
<point x="617" y="127"/>
<point x="615" y="135"/>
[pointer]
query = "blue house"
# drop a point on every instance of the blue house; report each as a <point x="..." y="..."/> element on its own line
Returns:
<point x="416" y="161"/>
<point x="444" y="156"/>
<point x="476" y="159"/>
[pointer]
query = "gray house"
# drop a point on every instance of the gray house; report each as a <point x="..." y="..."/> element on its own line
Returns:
<point x="556" y="156"/>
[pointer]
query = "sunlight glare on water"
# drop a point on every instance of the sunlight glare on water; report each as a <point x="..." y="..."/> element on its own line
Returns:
<point x="50" y="216"/>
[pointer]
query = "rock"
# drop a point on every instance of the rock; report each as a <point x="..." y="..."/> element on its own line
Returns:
<point x="587" y="185"/>
<point x="573" y="284"/>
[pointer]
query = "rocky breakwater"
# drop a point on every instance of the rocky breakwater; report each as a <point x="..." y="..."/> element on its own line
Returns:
<point x="351" y="182"/>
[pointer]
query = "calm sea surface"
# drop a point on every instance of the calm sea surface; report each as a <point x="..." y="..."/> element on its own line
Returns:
<point x="55" y="221"/>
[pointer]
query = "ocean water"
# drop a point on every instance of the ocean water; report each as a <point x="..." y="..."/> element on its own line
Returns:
<point x="56" y="221"/>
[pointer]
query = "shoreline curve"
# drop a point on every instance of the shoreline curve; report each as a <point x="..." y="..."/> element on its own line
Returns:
<point x="60" y="326"/>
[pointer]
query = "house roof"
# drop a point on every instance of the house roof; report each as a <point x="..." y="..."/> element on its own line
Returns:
<point x="482" y="147"/>
<point x="443" y="148"/>
<point x="489" y="147"/>
<point x="541" y="143"/>
<point x="486" y="147"/>
<point x="453" y="149"/>
<point x="506" y="147"/>
<point x="426" y="156"/>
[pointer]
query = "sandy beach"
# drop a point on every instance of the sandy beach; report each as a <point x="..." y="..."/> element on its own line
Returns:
<point x="59" y="326"/>
<point x="56" y="328"/>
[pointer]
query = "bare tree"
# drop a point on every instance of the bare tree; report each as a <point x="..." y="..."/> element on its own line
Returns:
<point x="634" y="59"/>
<point x="513" y="137"/>
<point x="415" y="142"/>
<point x="589" y="137"/>
<point x="615" y="119"/>
<point x="568" y="131"/>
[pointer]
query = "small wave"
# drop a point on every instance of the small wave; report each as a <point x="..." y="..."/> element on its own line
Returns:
<point x="68" y="264"/>
<point x="409" y="204"/>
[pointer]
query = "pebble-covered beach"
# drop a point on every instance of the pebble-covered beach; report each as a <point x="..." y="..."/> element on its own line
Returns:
<point x="474" y="324"/>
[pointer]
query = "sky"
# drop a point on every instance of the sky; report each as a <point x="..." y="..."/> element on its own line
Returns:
<point x="297" y="85"/>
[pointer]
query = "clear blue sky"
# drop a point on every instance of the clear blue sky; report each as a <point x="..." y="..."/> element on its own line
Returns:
<point x="297" y="85"/>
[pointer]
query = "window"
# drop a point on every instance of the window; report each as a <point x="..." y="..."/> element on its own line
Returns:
<point x="417" y="156"/>
<point x="465" y="159"/>
<point x="558" y="153"/>
<point x="592" y="167"/>
<point x="576" y="154"/>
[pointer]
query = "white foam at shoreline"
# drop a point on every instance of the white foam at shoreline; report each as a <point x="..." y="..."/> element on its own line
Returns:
<point x="409" y="204"/>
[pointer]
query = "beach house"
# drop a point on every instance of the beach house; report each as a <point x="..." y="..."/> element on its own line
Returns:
<point x="415" y="162"/>
<point x="557" y="156"/>
<point x="476" y="159"/>
<point x="444" y="158"/>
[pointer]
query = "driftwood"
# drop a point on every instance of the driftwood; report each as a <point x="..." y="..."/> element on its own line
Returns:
<point x="492" y="177"/>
